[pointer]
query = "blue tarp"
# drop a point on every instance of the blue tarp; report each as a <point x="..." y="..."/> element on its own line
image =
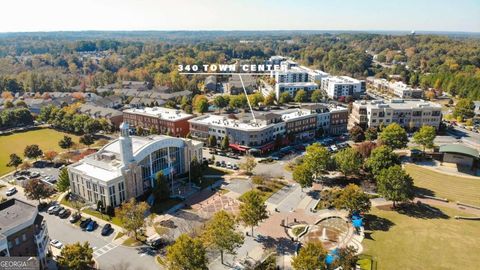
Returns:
<point x="330" y="258"/>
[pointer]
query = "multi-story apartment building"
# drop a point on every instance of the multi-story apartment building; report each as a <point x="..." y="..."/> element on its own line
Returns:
<point x="413" y="113"/>
<point x="23" y="232"/>
<point x="126" y="167"/>
<point x="292" y="88"/>
<point x="396" y="88"/>
<point x="268" y="130"/>
<point x="342" y="86"/>
<point x="242" y="134"/>
<point x="162" y="120"/>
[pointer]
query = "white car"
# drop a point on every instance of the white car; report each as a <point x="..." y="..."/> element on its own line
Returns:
<point x="11" y="191"/>
<point x="56" y="244"/>
<point x="334" y="148"/>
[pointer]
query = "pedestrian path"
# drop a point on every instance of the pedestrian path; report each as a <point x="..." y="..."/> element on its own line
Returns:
<point x="103" y="250"/>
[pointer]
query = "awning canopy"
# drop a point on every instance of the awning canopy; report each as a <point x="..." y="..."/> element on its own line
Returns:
<point x="238" y="147"/>
<point x="459" y="149"/>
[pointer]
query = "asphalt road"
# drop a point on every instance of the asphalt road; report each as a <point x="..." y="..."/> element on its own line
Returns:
<point x="108" y="255"/>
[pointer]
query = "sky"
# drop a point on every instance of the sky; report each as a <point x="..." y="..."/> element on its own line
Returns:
<point x="74" y="15"/>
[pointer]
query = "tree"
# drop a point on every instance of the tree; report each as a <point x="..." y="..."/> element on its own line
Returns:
<point x="248" y="165"/>
<point x="220" y="234"/>
<point x="317" y="96"/>
<point x="186" y="253"/>
<point x="161" y="190"/>
<point x="365" y="148"/>
<point x="63" y="183"/>
<point x="300" y="96"/>
<point x="303" y="175"/>
<point x="371" y="134"/>
<point x="464" y="108"/>
<point x="253" y="209"/>
<point x="15" y="161"/>
<point x="50" y="155"/>
<point x="224" y="144"/>
<point x="310" y="257"/>
<point x="352" y="198"/>
<point x="316" y="158"/>
<point x="395" y="184"/>
<point x="394" y="136"/>
<point x="132" y="216"/>
<point x="66" y="142"/>
<point x="285" y="98"/>
<point x="32" y="151"/>
<point x="87" y="139"/>
<point x="76" y="256"/>
<point x="346" y="258"/>
<point x="220" y="102"/>
<point x="357" y="134"/>
<point x="255" y="99"/>
<point x="381" y="158"/>
<point x="37" y="190"/>
<point x="200" y="103"/>
<point x="425" y="137"/>
<point x="348" y="161"/>
<point x="212" y="141"/>
<point x="270" y="99"/>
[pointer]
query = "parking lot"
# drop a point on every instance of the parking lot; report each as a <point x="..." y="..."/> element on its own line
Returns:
<point x="48" y="175"/>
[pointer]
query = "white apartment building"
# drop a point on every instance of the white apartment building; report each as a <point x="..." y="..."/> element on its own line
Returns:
<point x="411" y="113"/>
<point x="292" y="88"/>
<point x="396" y="88"/>
<point x="342" y="86"/>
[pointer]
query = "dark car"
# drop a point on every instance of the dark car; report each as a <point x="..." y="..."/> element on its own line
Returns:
<point x="64" y="213"/>
<point x="107" y="229"/>
<point x="217" y="163"/>
<point x="91" y="226"/>
<point x="158" y="244"/>
<point x="75" y="217"/>
<point x="85" y="222"/>
<point x="223" y="163"/>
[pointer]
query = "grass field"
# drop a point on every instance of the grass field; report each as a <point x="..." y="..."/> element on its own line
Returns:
<point x="422" y="239"/>
<point x="454" y="188"/>
<point x="46" y="138"/>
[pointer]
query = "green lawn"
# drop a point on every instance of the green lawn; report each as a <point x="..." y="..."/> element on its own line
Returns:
<point x="267" y="189"/>
<point x="422" y="239"/>
<point x="454" y="188"/>
<point x="46" y="138"/>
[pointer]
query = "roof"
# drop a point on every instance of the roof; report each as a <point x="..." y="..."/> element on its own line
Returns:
<point x="15" y="213"/>
<point x="459" y="149"/>
<point x="160" y="113"/>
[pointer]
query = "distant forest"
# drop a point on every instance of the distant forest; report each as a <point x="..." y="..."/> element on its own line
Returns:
<point x="57" y="61"/>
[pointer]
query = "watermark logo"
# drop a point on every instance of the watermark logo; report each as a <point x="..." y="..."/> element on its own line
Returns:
<point x="254" y="69"/>
<point x="19" y="263"/>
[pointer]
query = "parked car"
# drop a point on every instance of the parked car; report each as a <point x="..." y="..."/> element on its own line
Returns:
<point x="334" y="148"/>
<point x="85" y="222"/>
<point x="64" y="213"/>
<point x="53" y="209"/>
<point x="107" y="229"/>
<point x="223" y="163"/>
<point x="235" y="167"/>
<point x="229" y="166"/>
<point x="11" y="191"/>
<point x="56" y="212"/>
<point x="75" y="217"/>
<point x="91" y="226"/>
<point x="210" y="161"/>
<point x="56" y="244"/>
<point x="218" y="163"/>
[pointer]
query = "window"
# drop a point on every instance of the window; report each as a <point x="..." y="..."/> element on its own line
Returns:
<point x="24" y="237"/>
<point x="17" y="241"/>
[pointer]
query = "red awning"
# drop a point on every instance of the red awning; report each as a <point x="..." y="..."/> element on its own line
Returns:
<point x="238" y="147"/>
<point x="267" y="146"/>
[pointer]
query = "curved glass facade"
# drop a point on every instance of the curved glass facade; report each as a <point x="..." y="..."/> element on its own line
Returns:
<point x="168" y="160"/>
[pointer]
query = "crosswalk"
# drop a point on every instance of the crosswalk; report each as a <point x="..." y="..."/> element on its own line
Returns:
<point x="101" y="251"/>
